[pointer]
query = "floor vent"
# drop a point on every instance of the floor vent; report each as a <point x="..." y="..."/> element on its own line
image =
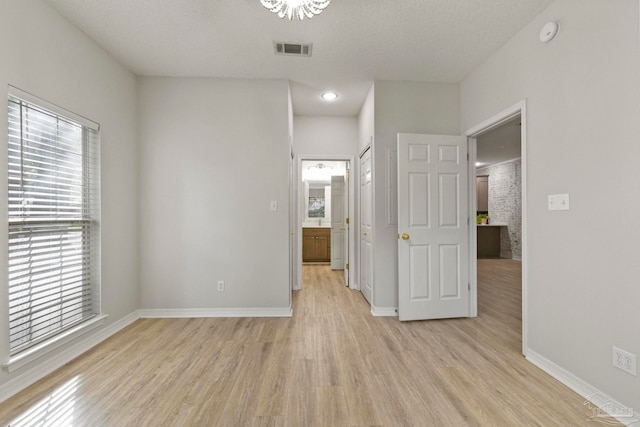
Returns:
<point x="292" y="49"/>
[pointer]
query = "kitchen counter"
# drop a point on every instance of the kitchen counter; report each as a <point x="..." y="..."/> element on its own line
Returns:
<point x="488" y="240"/>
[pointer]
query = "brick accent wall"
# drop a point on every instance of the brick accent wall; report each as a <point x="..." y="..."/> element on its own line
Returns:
<point x="505" y="204"/>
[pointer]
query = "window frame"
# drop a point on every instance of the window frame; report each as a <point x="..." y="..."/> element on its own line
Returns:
<point x="24" y="353"/>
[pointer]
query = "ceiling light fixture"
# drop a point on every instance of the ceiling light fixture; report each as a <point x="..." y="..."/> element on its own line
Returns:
<point x="329" y="96"/>
<point x="296" y="8"/>
<point x="319" y="166"/>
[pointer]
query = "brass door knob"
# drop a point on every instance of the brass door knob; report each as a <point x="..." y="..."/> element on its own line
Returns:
<point x="405" y="236"/>
<point x="364" y="233"/>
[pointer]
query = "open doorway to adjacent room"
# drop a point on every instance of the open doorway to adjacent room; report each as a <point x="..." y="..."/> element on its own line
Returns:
<point x="498" y="192"/>
<point x="324" y="214"/>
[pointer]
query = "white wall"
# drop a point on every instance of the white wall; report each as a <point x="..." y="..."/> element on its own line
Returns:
<point x="401" y="107"/>
<point x="325" y="135"/>
<point x="46" y="56"/>
<point x="583" y="127"/>
<point x="214" y="153"/>
<point x="366" y="121"/>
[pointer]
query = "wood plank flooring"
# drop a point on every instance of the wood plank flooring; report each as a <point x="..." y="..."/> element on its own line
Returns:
<point x="332" y="364"/>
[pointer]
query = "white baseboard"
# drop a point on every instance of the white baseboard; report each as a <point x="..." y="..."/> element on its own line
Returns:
<point x="384" y="311"/>
<point x="215" y="312"/>
<point x="592" y="395"/>
<point x="48" y="365"/>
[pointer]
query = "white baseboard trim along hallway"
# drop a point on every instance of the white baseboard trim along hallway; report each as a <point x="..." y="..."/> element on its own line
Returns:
<point x="602" y="404"/>
<point x="215" y="312"/>
<point x="384" y="311"/>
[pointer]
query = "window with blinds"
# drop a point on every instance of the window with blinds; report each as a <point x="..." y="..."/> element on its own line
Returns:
<point x="53" y="220"/>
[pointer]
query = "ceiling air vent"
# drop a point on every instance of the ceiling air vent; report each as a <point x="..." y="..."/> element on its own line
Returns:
<point x="292" y="49"/>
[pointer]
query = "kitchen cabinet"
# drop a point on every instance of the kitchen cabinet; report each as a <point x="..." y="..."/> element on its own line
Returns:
<point x="488" y="240"/>
<point x="316" y="244"/>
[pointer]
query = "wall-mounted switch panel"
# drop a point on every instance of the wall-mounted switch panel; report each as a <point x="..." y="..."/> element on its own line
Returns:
<point x="274" y="205"/>
<point x="558" y="202"/>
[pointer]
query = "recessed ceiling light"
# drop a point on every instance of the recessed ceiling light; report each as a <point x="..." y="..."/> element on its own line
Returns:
<point x="329" y="96"/>
<point x="478" y="164"/>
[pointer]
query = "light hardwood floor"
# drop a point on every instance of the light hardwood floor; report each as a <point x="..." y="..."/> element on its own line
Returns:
<point x="332" y="364"/>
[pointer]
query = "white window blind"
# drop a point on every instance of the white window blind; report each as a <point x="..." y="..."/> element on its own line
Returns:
<point x="53" y="222"/>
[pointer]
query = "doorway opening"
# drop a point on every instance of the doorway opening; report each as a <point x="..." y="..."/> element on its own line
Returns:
<point x="497" y="183"/>
<point x="324" y="211"/>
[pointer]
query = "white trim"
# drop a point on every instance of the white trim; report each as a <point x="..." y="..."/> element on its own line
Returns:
<point x="496" y="120"/>
<point x="34" y="353"/>
<point x="214" y="312"/>
<point x="577" y="384"/>
<point x="44" y="368"/>
<point x="384" y="311"/>
<point x="39" y="102"/>
<point x="520" y="108"/>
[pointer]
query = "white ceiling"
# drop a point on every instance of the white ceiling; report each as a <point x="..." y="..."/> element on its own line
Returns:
<point x="354" y="41"/>
<point x="500" y="144"/>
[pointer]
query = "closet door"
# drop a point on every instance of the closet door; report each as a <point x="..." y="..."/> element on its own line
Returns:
<point x="366" y="226"/>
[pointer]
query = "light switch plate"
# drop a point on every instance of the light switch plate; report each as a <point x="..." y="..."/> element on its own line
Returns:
<point x="558" y="202"/>
<point x="274" y="205"/>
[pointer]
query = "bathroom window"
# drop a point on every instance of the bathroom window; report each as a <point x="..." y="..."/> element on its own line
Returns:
<point x="53" y="220"/>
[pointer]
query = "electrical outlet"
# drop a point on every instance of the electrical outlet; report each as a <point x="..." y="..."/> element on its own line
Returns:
<point x="624" y="360"/>
<point x="220" y="285"/>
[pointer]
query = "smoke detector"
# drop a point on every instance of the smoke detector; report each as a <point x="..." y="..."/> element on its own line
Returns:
<point x="548" y="32"/>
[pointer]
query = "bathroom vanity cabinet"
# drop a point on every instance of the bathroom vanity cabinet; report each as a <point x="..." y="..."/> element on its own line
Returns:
<point x="316" y="244"/>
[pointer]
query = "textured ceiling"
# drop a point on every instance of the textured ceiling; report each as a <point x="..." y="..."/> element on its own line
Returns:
<point x="354" y="41"/>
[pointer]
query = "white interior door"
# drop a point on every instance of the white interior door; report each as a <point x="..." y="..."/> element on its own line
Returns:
<point x="433" y="277"/>
<point x="338" y="229"/>
<point x="345" y="245"/>
<point x="366" y="226"/>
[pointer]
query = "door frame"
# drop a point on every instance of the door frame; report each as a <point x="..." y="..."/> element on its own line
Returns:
<point x="299" y="209"/>
<point x="520" y="108"/>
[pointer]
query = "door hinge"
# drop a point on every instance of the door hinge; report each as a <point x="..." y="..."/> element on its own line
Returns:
<point x="468" y="286"/>
<point x="346" y="266"/>
<point x="346" y="220"/>
<point x="346" y="175"/>
<point x="467" y="157"/>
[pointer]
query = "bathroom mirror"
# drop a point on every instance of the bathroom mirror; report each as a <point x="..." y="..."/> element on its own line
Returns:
<point x="316" y="206"/>
<point x="317" y="201"/>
